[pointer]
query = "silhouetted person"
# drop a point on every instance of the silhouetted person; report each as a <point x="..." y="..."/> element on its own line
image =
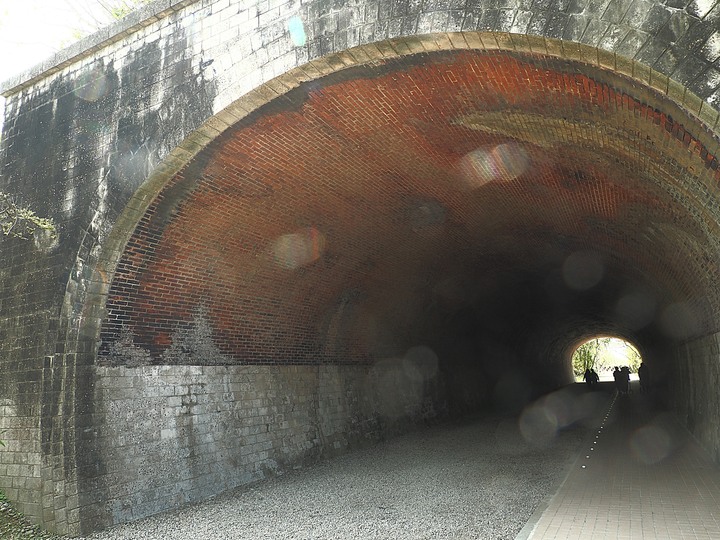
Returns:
<point x="595" y="377"/>
<point x="588" y="378"/>
<point x="625" y="379"/>
<point x="618" y="383"/>
<point x="643" y="376"/>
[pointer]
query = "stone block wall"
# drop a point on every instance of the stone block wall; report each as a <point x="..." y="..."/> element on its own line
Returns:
<point x="692" y="387"/>
<point x="168" y="435"/>
<point x="22" y="462"/>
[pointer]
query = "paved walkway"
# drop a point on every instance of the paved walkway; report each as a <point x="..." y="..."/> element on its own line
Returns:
<point x="641" y="475"/>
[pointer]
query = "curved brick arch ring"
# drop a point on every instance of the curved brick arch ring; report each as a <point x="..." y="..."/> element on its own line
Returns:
<point x="670" y="49"/>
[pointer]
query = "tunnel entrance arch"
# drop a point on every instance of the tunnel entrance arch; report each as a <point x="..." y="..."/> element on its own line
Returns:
<point x="418" y="201"/>
<point x="602" y="354"/>
<point x="506" y="138"/>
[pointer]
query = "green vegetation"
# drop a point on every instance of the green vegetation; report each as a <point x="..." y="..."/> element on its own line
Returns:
<point x="18" y="221"/>
<point x="14" y="526"/>
<point x="91" y="20"/>
<point x="604" y="353"/>
<point x="586" y="355"/>
<point x="124" y="7"/>
<point x="21" y="222"/>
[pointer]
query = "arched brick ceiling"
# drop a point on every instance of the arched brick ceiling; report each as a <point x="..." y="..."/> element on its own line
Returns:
<point x="430" y="199"/>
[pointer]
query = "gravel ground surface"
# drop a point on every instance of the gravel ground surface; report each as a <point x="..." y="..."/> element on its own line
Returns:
<point x="474" y="479"/>
<point x="14" y="526"/>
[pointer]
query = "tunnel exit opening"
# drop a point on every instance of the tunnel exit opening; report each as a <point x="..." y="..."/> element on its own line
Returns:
<point x="602" y="355"/>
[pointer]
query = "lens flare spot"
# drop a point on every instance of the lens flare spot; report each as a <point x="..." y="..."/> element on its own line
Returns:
<point x="636" y="310"/>
<point x="297" y="31"/>
<point x="299" y="249"/>
<point x="475" y="168"/>
<point x="583" y="270"/>
<point x="421" y="363"/>
<point x="394" y="392"/>
<point x="511" y="161"/>
<point x="541" y="420"/>
<point x="537" y="426"/>
<point x="680" y="321"/>
<point x="502" y="162"/>
<point x="560" y="408"/>
<point x="91" y="86"/>
<point x="651" y="444"/>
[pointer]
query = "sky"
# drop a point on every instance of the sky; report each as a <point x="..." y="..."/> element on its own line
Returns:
<point x="33" y="30"/>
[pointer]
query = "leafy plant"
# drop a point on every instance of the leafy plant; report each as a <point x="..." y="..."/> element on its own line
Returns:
<point x="21" y="222"/>
<point x="125" y="7"/>
<point x="586" y="355"/>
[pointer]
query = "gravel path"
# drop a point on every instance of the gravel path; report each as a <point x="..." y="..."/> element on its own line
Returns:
<point x="474" y="479"/>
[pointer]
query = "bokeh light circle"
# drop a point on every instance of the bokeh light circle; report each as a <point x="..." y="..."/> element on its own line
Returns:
<point x="299" y="249"/>
<point x="503" y="162"/>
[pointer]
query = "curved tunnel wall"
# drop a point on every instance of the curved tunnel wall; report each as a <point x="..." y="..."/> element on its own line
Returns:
<point x="354" y="216"/>
<point x="133" y="111"/>
<point x="474" y="213"/>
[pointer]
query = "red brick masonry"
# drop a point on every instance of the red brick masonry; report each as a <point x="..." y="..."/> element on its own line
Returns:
<point x="329" y="223"/>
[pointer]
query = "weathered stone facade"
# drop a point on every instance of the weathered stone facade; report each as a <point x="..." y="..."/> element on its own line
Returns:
<point x="285" y="229"/>
<point x="174" y="434"/>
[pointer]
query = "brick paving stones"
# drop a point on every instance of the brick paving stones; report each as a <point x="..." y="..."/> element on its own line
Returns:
<point x="641" y="475"/>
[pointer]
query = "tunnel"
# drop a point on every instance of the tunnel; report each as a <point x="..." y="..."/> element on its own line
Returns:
<point x="477" y="213"/>
<point x="391" y="243"/>
<point x="257" y="270"/>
